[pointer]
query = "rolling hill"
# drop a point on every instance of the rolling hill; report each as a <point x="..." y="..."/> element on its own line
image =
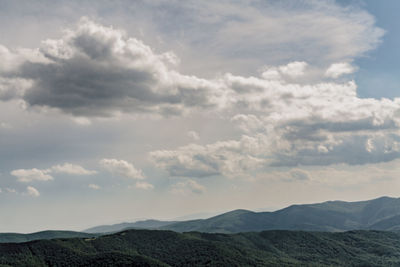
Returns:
<point x="145" y="224"/>
<point x="167" y="248"/>
<point x="332" y="216"/>
<point x="18" y="238"/>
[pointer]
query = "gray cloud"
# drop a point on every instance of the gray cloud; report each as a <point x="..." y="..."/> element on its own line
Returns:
<point x="98" y="71"/>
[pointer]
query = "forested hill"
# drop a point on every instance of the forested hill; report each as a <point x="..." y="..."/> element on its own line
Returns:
<point x="331" y="216"/>
<point x="167" y="248"/>
<point x="18" y="238"/>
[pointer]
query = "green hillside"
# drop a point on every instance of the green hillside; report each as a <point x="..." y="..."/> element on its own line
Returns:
<point x="18" y="238"/>
<point x="167" y="248"/>
<point x="333" y="216"/>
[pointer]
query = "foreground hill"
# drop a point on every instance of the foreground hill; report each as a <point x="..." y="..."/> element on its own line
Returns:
<point x="18" y="238"/>
<point x="377" y="214"/>
<point x="167" y="248"/>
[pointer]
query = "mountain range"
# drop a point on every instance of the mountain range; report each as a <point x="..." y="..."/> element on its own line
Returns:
<point x="332" y="216"/>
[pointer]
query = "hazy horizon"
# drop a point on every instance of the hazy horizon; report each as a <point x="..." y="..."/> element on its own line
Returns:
<point x="160" y="109"/>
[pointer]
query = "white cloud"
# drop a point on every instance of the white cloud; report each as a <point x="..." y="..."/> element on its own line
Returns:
<point x="5" y="125"/>
<point x="73" y="169"/>
<point x="122" y="168"/>
<point x="11" y="190"/>
<point x="193" y="135"/>
<point x="275" y="32"/>
<point x="144" y="185"/>
<point x="82" y="121"/>
<point x="289" y="123"/>
<point x="187" y="187"/>
<point x="294" y="69"/>
<point x="31" y="191"/>
<point x="338" y="69"/>
<point x="29" y="175"/>
<point x="94" y="186"/>
<point x="229" y="158"/>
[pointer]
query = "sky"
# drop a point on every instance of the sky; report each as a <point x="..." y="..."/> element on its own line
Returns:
<point x="115" y="111"/>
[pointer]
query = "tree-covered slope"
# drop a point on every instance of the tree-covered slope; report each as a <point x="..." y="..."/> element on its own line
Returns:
<point x="167" y="248"/>
<point x="17" y="238"/>
<point x="379" y="214"/>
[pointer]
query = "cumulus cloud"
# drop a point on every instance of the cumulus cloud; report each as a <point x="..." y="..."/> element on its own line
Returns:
<point x="31" y="191"/>
<point x="193" y="135"/>
<point x="338" y="69"/>
<point x="73" y="169"/>
<point x="289" y="123"/>
<point x="230" y="158"/>
<point x="94" y="186"/>
<point x="122" y="168"/>
<point x="95" y="70"/>
<point x="29" y="175"/>
<point x="294" y="69"/>
<point x="187" y="187"/>
<point x="287" y="120"/>
<point x="144" y="185"/>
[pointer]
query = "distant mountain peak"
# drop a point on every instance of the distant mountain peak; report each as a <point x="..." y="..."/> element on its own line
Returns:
<point x="381" y="213"/>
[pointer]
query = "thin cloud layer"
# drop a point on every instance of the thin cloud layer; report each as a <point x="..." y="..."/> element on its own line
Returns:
<point x="73" y="169"/>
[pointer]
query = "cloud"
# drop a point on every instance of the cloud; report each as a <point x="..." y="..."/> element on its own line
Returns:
<point x="98" y="71"/>
<point x="272" y="31"/>
<point x="294" y="69"/>
<point x="31" y="191"/>
<point x="187" y="187"/>
<point x="291" y="114"/>
<point x="144" y="185"/>
<point x="338" y="69"/>
<point x="29" y="175"/>
<point x="291" y="123"/>
<point x="73" y="169"/>
<point x="82" y="121"/>
<point x="11" y="190"/>
<point x="193" y="135"/>
<point x="94" y="186"/>
<point x="122" y="168"/>
<point x="230" y="158"/>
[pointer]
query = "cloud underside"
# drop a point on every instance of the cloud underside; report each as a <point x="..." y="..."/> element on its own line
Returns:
<point x="289" y="115"/>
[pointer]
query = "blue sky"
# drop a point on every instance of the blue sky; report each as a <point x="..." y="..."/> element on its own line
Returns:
<point x="161" y="109"/>
<point x="378" y="74"/>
